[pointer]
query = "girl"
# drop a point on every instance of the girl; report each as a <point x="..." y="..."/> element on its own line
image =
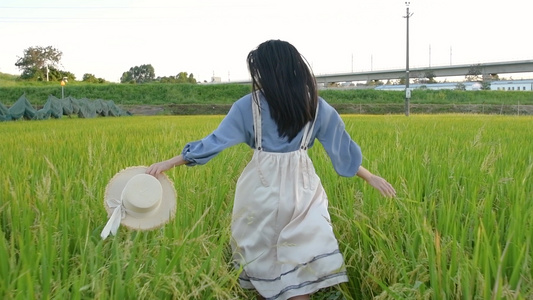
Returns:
<point x="281" y="231"/>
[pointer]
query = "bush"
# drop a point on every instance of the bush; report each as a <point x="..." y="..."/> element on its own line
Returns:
<point x="167" y="93"/>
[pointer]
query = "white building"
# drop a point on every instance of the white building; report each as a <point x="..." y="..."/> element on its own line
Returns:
<point x="512" y="85"/>
<point x="469" y="86"/>
<point x="500" y="85"/>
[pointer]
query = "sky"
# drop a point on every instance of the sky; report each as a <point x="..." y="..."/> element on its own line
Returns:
<point x="213" y="37"/>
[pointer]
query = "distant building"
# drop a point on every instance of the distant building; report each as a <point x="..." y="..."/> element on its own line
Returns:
<point x="499" y="85"/>
<point x="469" y="86"/>
<point x="216" y="79"/>
<point x="512" y="85"/>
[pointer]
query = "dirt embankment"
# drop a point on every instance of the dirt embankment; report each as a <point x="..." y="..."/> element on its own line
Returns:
<point x="222" y="109"/>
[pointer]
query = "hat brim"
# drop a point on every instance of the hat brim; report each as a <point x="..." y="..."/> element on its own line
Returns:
<point x="164" y="213"/>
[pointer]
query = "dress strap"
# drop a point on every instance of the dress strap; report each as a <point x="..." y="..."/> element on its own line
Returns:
<point x="256" y="109"/>
<point x="308" y="131"/>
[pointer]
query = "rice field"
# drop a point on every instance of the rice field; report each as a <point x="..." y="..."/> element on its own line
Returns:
<point x="460" y="228"/>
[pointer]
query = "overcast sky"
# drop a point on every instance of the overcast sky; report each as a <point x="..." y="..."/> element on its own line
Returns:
<point x="213" y="37"/>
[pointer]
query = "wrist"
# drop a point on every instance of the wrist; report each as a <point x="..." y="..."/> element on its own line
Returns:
<point x="178" y="161"/>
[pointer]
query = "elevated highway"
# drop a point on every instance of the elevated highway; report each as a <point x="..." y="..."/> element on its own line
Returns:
<point x="484" y="69"/>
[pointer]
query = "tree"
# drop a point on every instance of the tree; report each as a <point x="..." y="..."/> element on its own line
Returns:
<point x="191" y="78"/>
<point x="374" y="82"/>
<point x="92" y="79"/>
<point x="182" y="77"/>
<point x="474" y="73"/>
<point x="430" y="75"/>
<point x="460" y="86"/>
<point x="53" y="74"/>
<point x="493" y="76"/>
<point x="401" y="80"/>
<point x="37" y="61"/>
<point x="138" y="74"/>
<point x="58" y="75"/>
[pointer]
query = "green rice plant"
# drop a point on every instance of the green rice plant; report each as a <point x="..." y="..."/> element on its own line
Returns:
<point x="460" y="227"/>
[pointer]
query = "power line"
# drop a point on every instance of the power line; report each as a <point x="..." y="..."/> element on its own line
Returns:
<point x="82" y="7"/>
<point x="66" y="19"/>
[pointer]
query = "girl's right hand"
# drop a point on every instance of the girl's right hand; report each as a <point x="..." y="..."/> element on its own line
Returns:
<point x="163" y="166"/>
<point x="157" y="168"/>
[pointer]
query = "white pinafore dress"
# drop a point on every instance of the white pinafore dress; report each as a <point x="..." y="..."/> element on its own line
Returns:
<point x="282" y="236"/>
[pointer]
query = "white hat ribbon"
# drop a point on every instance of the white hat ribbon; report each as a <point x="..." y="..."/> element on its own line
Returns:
<point x="119" y="212"/>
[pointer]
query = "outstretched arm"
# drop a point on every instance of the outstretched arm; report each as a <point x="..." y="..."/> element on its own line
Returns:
<point x="166" y="165"/>
<point x="377" y="182"/>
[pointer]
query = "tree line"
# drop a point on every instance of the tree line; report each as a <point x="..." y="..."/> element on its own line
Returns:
<point x="43" y="64"/>
<point x="146" y="73"/>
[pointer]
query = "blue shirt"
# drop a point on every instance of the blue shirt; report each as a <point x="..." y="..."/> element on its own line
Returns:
<point x="237" y="127"/>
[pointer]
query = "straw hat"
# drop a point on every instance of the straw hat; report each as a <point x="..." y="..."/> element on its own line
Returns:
<point x="138" y="200"/>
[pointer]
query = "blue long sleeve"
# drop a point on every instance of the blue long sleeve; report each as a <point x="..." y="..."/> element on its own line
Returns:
<point x="345" y="154"/>
<point x="237" y="127"/>
<point x="231" y="131"/>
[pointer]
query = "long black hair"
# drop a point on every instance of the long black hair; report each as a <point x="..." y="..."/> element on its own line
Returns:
<point x="284" y="77"/>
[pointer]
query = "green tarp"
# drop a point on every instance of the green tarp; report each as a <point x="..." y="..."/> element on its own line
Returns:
<point x="3" y="112"/>
<point x="56" y="108"/>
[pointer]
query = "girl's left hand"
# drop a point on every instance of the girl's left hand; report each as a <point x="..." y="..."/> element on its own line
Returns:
<point x="382" y="185"/>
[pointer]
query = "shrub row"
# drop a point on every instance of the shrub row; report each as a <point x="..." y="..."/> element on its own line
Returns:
<point x="159" y="94"/>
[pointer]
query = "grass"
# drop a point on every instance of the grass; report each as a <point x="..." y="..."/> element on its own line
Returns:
<point x="460" y="227"/>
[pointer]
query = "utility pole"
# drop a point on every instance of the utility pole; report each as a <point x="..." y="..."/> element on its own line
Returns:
<point x="407" y="90"/>
<point x="450" y="55"/>
<point x="430" y="56"/>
